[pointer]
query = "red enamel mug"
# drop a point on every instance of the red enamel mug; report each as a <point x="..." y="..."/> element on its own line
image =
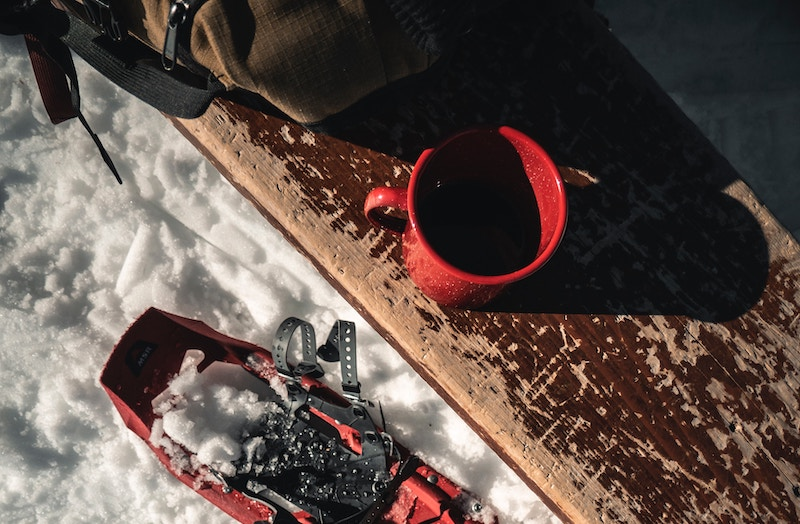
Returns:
<point x="485" y="208"/>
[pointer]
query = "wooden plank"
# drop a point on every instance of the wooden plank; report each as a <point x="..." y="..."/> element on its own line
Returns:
<point x="650" y="372"/>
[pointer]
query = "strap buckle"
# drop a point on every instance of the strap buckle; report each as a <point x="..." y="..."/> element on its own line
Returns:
<point x="103" y="14"/>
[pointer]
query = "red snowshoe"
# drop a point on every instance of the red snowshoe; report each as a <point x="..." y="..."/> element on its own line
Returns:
<point x="265" y="441"/>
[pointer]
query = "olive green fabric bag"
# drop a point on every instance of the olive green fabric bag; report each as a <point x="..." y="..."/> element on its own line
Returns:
<point x="310" y="59"/>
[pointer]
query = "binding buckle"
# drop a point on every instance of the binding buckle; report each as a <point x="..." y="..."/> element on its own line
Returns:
<point x="103" y="14"/>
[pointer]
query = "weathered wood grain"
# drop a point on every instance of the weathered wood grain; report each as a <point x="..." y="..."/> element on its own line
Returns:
<point x="650" y="372"/>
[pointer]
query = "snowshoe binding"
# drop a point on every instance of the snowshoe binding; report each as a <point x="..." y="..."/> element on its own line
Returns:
<point x="266" y="441"/>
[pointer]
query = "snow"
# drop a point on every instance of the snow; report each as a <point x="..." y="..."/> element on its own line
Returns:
<point x="209" y="414"/>
<point x="81" y="257"/>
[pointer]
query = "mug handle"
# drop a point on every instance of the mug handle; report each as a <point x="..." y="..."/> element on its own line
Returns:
<point x="381" y="198"/>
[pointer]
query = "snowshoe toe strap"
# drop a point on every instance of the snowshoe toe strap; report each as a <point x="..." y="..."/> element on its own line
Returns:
<point x="280" y="349"/>
<point x="340" y="345"/>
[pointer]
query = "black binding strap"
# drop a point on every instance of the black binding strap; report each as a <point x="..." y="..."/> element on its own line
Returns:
<point x="341" y="345"/>
<point x="346" y="338"/>
<point x="280" y="349"/>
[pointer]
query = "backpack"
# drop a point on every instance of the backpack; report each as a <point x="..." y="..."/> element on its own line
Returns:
<point x="321" y="63"/>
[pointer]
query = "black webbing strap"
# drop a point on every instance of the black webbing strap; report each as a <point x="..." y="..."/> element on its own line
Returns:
<point x="136" y="68"/>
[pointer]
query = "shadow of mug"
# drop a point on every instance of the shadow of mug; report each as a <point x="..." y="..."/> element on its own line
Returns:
<point x="655" y="233"/>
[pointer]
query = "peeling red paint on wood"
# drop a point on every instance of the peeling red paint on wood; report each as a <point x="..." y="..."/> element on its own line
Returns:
<point x="650" y="372"/>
